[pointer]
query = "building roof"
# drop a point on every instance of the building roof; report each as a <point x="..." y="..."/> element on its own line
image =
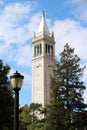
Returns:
<point x="43" y="27"/>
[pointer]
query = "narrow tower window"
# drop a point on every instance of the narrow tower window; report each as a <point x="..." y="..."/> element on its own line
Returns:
<point x="46" y="48"/>
<point x="51" y="50"/>
<point x="40" y="48"/>
<point x="37" y="50"/>
<point x="34" y="50"/>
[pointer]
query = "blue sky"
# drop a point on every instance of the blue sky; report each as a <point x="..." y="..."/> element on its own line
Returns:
<point x="20" y="18"/>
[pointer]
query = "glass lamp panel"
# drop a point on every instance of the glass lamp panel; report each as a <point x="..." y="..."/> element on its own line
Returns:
<point x="19" y="82"/>
<point x="16" y="82"/>
<point x="13" y="83"/>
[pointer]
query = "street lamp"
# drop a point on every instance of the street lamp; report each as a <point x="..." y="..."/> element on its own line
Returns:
<point x="16" y="82"/>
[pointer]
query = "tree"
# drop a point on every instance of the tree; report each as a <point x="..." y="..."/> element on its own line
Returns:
<point x="24" y="117"/>
<point x="66" y="93"/>
<point x="6" y="99"/>
<point x="30" y="116"/>
<point x="37" y="117"/>
<point x="35" y="110"/>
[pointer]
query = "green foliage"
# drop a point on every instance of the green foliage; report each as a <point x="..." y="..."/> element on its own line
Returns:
<point x="24" y="117"/>
<point x="6" y="99"/>
<point x="36" y="126"/>
<point x="29" y="116"/>
<point x="66" y="95"/>
<point x="35" y="110"/>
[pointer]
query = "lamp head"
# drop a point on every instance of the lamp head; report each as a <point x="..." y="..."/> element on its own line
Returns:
<point x="16" y="81"/>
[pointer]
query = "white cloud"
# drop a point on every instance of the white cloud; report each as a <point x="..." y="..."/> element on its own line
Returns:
<point x="79" y="10"/>
<point x="23" y="56"/>
<point x="70" y="31"/>
<point x="11" y="18"/>
<point x="16" y="29"/>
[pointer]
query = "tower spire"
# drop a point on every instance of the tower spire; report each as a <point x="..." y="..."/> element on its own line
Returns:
<point x="43" y="27"/>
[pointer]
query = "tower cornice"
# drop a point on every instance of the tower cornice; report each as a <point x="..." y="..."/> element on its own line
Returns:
<point x="43" y="37"/>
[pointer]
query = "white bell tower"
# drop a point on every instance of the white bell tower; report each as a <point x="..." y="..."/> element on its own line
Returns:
<point x="43" y="61"/>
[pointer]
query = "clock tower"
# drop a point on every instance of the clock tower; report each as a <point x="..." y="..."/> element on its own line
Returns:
<point x="43" y="62"/>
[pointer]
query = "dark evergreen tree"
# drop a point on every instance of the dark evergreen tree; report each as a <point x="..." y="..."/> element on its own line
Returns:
<point x="30" y="117"/>
<point x="35" y="110"/>
<point x="67" y="104"/>
<point x="6" y="99"/>
<point x="24" y="117"/>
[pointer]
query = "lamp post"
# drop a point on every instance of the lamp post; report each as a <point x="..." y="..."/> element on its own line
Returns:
<point x="16" y="82"/>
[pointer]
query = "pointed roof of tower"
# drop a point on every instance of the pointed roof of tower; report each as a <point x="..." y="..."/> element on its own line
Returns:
<point x="43" y="27"/>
